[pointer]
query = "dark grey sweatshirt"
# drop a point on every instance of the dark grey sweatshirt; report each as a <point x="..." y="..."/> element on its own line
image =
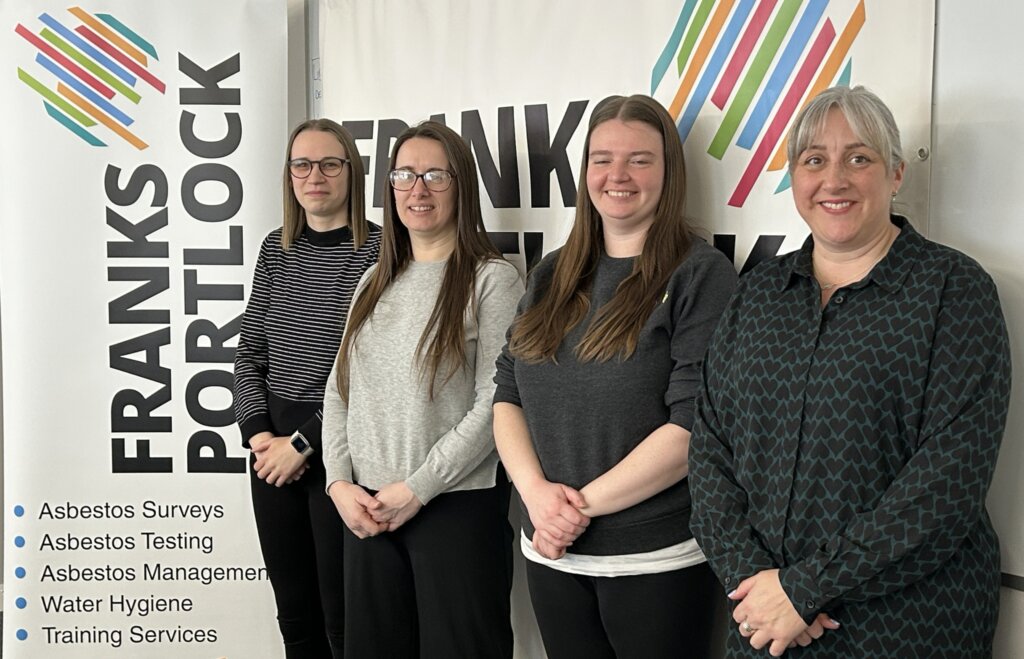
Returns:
<point x="584" y="418"/>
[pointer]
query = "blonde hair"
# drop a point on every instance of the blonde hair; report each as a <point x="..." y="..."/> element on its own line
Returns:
<point x="869" y="118"/>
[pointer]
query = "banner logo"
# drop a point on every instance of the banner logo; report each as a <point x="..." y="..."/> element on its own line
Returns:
<point x="748" y="44"/>
<point x="92" y="68"/>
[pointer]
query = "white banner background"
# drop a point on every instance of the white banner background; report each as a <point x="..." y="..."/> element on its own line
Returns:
<point x="407" y="61"/>
<point x="57" y="283"/>
<point x="412" y="60"/>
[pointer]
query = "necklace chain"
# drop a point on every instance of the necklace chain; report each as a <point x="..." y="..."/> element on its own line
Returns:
<point x="858" y="277"/>
<point x="828" y="287"/>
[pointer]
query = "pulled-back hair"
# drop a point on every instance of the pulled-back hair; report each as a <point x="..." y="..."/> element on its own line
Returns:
<point x="615" y="328"/>
<point x="295" y="214"/>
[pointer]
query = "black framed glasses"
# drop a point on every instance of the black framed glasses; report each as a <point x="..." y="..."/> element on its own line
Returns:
<point x="330" y="167"/>
<point x="436" y="180"/>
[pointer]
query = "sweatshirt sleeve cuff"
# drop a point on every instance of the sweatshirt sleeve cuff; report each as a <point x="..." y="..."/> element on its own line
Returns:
<point x="504" y="394"/>
<point x="338" y="471"/>
<point x="311" y="430"/>
<point x="253" y="426"/>
<point x="682" y="415"/>
<point x="425" y="484"/>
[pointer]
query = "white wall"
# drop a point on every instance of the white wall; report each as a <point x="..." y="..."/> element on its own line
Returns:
<point x="976" y="206"/>
<point x="298" y="13"/>
<point x="1" y="471"/>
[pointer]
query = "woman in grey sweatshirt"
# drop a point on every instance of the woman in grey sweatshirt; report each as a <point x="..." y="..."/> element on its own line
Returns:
<point x="408" y="448"/>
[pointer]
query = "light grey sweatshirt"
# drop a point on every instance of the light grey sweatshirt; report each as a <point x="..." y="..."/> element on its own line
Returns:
<point x="391" y="430"/>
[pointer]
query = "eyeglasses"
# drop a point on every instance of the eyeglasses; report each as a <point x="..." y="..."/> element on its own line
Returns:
<point x="436" y="180"/>
<point x="330" y="167"/>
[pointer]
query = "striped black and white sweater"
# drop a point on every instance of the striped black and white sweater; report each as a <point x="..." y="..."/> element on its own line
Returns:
<point x="292" y="329"/>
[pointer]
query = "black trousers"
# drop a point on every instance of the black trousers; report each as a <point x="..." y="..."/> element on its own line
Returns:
<point x="439" y="586"/>
<point x="669" y="615"/>
<point x="302" y="539"/>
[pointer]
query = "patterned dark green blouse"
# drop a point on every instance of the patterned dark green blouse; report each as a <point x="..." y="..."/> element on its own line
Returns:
<point x="853" y="446"/>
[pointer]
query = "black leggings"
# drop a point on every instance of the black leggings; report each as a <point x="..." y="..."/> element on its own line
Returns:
<point x="669" y="615"/>
<point x="438" y="587"/>
<point x="301" y="537"/>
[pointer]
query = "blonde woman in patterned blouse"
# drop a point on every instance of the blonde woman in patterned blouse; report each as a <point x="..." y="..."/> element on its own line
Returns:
<point x="855" y="396"/>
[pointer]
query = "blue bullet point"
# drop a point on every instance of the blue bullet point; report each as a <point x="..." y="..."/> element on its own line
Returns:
<point x="21" y="602"/>
<point x="19" y="572"/>
<point x="19" y="511"/>
<point x="22" y="634"/>
<point x="19" y="541"/>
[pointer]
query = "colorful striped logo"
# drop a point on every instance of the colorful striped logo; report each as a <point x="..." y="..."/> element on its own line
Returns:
<point x="758" y="66"/>
<point x="92" y="68"/>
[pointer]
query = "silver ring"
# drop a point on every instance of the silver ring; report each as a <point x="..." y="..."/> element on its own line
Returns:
<point x="747" y="628"/>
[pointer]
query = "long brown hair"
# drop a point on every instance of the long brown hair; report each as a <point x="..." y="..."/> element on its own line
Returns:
<point x="615" y="328"/>
<point x="295" y="214"/>
<point x="443" y="341"/>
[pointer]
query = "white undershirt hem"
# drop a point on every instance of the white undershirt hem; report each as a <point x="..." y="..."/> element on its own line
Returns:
<point x="674" y="557"/>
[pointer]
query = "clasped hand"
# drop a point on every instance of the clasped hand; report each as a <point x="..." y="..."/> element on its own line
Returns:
<point x="766" y="616"/>
<point x="554" y="513"/>
<point x="394" y="505"/>
<point x="277" y="461"/>
<point x="367" y="515"/>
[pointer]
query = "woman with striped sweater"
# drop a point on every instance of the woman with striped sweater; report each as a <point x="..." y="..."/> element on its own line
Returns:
<point x="305" y="275"/>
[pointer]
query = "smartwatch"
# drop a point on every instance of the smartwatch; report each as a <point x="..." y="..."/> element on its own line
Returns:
<point x="301" y="444"/>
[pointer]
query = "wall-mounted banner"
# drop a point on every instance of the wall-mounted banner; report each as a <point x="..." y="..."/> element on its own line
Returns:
<point x="520" y="79"/>
<point x="142" y="146"/>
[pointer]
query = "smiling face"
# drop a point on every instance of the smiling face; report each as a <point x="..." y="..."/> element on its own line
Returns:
<point x="842" y="189"/>
<point x="625" y="174"/>
<point x="325" y="199"/>
<point x="427" y="214"/>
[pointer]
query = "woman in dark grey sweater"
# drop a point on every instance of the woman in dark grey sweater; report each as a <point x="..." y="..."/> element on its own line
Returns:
<point x="594" y="402"/>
